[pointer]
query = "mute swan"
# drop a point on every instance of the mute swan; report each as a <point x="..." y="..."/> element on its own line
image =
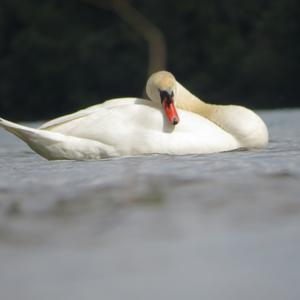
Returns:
<point x="174" y="122"/>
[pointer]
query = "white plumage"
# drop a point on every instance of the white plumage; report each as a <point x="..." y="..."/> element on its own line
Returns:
<point x="133" y="126"/>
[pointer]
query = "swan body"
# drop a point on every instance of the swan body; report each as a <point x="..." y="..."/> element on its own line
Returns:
<point x="133" y="126"/>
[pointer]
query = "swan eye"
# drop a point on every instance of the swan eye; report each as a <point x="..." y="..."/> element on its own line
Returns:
<point x="165" y="95"/>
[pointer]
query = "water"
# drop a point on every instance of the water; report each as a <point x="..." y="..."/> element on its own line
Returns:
<point x="221" y="226"/>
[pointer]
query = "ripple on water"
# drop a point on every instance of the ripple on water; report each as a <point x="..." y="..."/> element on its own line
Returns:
<point x="224" y="220"/>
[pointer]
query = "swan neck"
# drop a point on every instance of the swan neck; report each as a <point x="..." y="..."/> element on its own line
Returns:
<point x="187" y="101"/>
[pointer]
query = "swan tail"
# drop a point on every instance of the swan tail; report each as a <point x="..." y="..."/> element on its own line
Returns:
<point x="20" y="131"/>
<point x="38" y="140"/>
<point x="56" y="146"/>
<point x="29" y="135"/>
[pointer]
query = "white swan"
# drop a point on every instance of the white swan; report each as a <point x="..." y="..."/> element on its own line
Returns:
<point x="133" y="126"/>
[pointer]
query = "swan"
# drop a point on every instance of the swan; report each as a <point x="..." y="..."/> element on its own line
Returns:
<point x="174" y="122"/>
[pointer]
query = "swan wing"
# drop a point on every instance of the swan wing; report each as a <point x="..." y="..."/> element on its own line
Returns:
<point x="90" y="110"/>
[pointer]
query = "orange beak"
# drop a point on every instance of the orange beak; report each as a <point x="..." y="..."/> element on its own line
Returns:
<point x="168" y="105"/>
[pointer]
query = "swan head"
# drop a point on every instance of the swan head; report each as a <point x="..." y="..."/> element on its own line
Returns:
<point x="161" y="89"/>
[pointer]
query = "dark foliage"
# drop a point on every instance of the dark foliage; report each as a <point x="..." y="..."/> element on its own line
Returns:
<point x="57" y="56"/>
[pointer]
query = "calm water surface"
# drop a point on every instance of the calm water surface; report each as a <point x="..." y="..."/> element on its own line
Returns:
<point x="221" y="226"/>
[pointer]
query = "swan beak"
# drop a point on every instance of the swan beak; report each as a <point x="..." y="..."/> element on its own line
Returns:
<point x="167" y="101"/>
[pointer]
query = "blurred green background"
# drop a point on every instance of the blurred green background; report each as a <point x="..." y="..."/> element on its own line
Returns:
<point x="58" y="56"/>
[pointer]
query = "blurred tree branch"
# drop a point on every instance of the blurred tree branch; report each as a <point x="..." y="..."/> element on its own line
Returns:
<point x="151" y="33"/>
